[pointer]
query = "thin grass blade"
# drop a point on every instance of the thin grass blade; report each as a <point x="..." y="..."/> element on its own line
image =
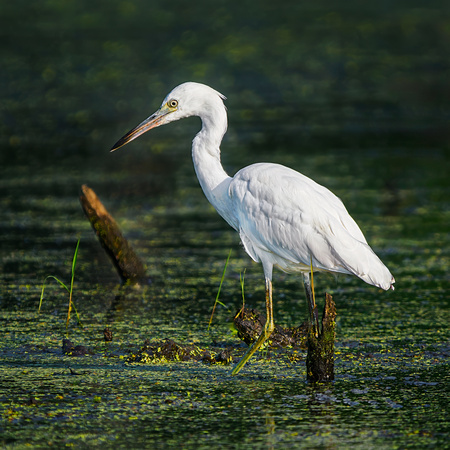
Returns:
<point x="218" y="291"/>
<point x="74" y="262"/>
<point x="241" y="281"/>
<point x="43" y="287"/>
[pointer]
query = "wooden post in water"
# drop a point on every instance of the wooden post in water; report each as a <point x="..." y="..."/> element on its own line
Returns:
<point x="128" y="265"/>
<point x="320" y="357"/>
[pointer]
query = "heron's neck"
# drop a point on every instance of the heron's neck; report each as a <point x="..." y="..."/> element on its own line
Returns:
<point x="210" y="173"/>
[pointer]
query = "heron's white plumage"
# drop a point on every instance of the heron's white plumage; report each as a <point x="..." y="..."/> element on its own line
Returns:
<point x="288" y="220"/>
<point x="284" y="218"/>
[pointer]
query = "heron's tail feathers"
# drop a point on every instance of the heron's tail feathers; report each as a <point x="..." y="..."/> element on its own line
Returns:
<point x="380" y="278"/>
<point x="369" y="267"/>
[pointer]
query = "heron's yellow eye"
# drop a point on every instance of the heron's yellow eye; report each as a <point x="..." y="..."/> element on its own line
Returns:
<point x="172" y="103"/>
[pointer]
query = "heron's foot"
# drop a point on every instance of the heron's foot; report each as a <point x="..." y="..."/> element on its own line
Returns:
<point x="256" y="345"/>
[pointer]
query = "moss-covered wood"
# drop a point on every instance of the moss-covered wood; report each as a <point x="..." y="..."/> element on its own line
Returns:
<point x="128" y="265"/>
<point x="320" y="357"/>
<point x="250" y="324"/>
<point x="169" y="350"/>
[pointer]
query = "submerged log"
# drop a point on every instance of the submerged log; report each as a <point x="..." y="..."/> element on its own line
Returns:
<point x="169" y="350"/>
<point x="128" y="265"/>
<point x="250" y="324"/>
<point x="320" y="357"/>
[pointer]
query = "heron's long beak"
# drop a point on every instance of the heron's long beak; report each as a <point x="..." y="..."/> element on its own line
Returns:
<point x="155" y="120"/>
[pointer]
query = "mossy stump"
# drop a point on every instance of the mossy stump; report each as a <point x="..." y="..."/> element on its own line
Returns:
<point x="128" y="265"/>
<point x="250" y="324"/>
<point x="320" y="357"/>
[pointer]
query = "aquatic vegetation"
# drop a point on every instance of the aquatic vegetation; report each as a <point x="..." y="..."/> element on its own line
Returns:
<point x="216" y="301"/>
<point x="241" y="282"/>
<point x="69" y="289"/>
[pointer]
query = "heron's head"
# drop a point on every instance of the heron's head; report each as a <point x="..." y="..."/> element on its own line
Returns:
<point x="187" y="99"/>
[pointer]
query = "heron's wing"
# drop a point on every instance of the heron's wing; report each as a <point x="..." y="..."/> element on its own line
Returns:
<point x="287" y="219"/>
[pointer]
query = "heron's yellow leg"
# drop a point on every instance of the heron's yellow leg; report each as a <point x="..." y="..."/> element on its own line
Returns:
<point x="313" y="313"/>
<point x="268" y="328"/>
<point x="312" y="286"/>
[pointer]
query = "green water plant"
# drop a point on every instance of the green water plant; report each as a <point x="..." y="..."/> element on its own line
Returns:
<point x="69" y="289"/>
<point x="241" y="281"/>
<point x="218" y="291"/>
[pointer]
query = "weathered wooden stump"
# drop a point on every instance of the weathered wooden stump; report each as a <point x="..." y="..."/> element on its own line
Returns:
<point x="320" y="357"/>
<point x="128" y="265"/>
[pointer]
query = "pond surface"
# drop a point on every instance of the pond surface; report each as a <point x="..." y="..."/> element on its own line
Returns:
<point x="358" y="101"/>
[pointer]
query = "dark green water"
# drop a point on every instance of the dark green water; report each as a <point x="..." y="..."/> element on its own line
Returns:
<point x="357" y="98"/>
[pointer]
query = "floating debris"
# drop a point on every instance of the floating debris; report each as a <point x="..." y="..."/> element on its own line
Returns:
<point x="69" y="349"/>
<point x="107" y="334"/>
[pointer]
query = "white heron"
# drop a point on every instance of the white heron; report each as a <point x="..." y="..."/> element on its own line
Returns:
<point x="284" y="219"/>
